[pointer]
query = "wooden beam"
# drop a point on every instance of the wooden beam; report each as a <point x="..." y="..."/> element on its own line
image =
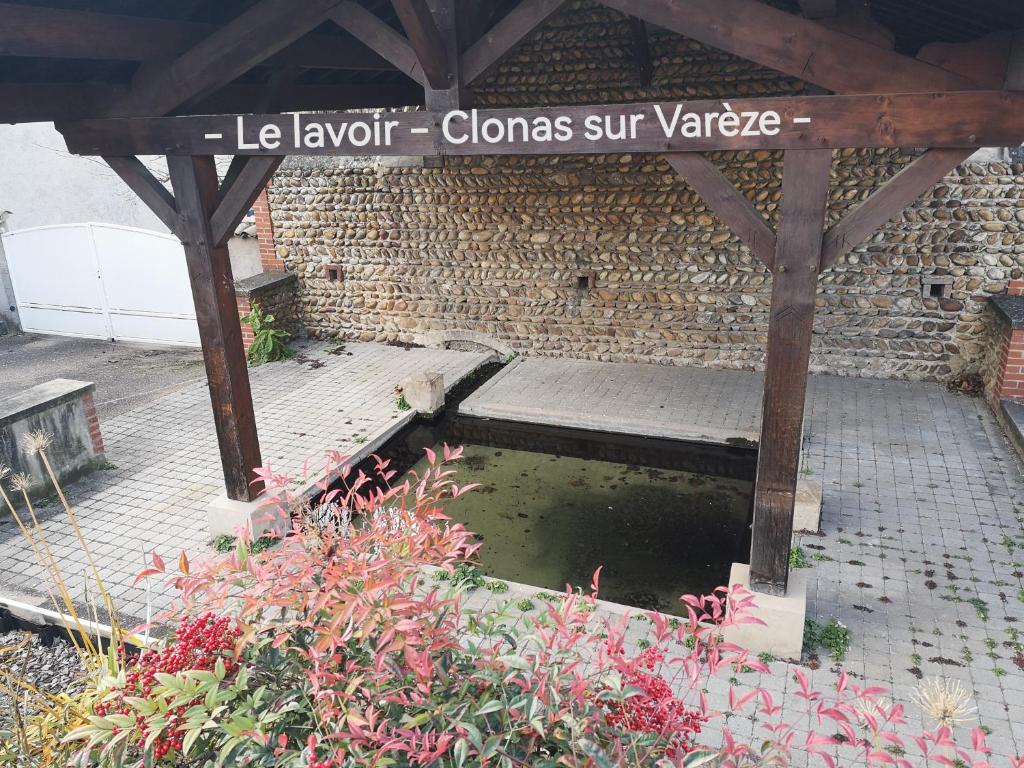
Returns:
<point x="797" y="46"/>
<point x="889" y="200"/>
<point x="59" y="102"/>
<point x="209" y="268"/>
<point x="378" y="37"/>
<point x="42" y="102"/>
<point x="69" y="34"/>
<point x="231" y="51"/>
<point x="970" y="119"/>
<point x="790" y="323"/>
<point x="154" y="194"/>
<point x="729" y="204"/>
<point x="441" y="100"/>
<point x="238" y="193"/>
<point x="242" y="98"/>
<point x="426" y="40"/>
<point x="641" y="50"/>
<point x="504" y="36"/>
<point x="819" y="9"/>
<point x="1015" y="66"/>
<point x="984" y="60"/>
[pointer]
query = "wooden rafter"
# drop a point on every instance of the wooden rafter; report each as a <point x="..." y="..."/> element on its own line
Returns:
<point x="885" y="203"/>
<point x="1015" y="66"/>
<point x="144" y="184"/>
<point x="235" y="48"/>
<point x="805" y="182"/>
<point x="70" y="34"/>
<point x="819" y="9"/>
<point x="237" y="194"/>
<point x="504" y="36"/>
<point x="426" y="40"/>
<point x="641" y="50"/>
<point x="25" y="103"/>
<point x="794" y="45"/>
<point x="728" y="203"/>
<point x="378" y="37"/>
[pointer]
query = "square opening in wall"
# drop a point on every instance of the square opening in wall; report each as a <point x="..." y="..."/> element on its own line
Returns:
<point x="335" y="273"/>
<point x="936" y="286"/>
<point x="585" y="281"/>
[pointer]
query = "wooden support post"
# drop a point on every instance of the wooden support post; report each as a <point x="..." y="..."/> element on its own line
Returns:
<point x="797" y="258"/>
<point x="445" y="99"/>
<point x="209" y="269"/>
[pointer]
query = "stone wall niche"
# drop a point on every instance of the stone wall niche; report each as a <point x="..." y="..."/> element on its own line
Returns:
<point x="64" y="409"/>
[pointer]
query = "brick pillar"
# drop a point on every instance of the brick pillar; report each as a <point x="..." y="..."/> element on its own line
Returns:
<point x="1006" y="372"/>
<point x="94" y="423"/>
<point x="265" y="235"/>
<point x="243" y="309"/>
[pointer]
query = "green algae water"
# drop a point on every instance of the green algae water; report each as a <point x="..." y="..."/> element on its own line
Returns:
<point x="663" y="517"/>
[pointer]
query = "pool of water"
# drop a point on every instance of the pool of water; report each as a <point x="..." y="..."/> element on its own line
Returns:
<point x="663" y="517"/>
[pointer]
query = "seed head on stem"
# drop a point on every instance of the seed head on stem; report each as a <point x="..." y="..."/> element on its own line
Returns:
<point x="945" y="701"/>
<point x="36" y="442"/>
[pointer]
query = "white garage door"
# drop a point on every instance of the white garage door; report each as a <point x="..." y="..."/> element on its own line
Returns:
<point x="102" y="282"/>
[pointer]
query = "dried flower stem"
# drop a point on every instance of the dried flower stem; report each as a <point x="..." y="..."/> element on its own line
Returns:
<point x="55" y="574"/>
<point x="104" y="595"/>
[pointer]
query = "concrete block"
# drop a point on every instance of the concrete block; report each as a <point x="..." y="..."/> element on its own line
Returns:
<point x="807" y="509"/>
<point x="260" y="517"/>
<point x="782" y="633"/>
<point x="424" y="391"/>
<point x="62" y="408"/>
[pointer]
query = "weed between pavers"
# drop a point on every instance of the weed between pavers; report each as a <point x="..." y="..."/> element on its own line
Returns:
<point x="833" y="636"/>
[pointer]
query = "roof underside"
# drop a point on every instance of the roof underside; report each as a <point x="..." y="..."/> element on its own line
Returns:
<point x="913" y="23"/>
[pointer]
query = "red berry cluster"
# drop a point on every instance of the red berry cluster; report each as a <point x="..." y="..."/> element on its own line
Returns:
<point x="198" y="643"/>
<point x="656" y="709"/>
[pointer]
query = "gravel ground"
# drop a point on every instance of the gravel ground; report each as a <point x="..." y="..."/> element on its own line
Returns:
<point x="126" y="375"/>
<point x="50" y="666"/>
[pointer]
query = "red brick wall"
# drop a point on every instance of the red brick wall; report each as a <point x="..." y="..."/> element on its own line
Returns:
<point x="1010" y="378"/>
<point x="1015" y="288"/>
<point x="94" y="423"/>
<point x="243" y="309"/>
<point x="265" y="235"/>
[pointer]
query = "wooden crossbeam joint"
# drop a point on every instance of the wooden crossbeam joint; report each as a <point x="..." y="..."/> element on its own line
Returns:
<point x="426" y="40"/>
<point x="501" y="39"/>
<point x="237" y="194"/>
<point x="728" y="203"/>
<point x="148" y="189"/>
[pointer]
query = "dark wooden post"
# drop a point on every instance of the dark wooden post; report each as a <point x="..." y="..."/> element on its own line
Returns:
<point x="797" y="264"/>
<point x="209" y="269"/>
<point x="444" y="100"/>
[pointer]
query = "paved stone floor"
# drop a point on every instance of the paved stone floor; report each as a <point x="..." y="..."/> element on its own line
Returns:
<point x="653" y="400"/>
<point x="166" y="465"/>
<point x="921" y="554"/>
<point x="922" y="548"/>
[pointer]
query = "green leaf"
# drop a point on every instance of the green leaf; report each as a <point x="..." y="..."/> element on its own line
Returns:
<point x="491" y="706"/>
<point x="461" y="752"/>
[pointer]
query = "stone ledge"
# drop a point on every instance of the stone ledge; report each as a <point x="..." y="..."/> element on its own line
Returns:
<point x="265" y="282"/>
<point x="39" y="398"/>
<point x="1010" y="416"/>
<point x="1010" y="309"/>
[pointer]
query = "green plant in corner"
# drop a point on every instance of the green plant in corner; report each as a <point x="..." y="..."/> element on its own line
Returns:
<point x="268" y="343"/>
<point x="400" y="402"/>
<point x="798" y="558"/>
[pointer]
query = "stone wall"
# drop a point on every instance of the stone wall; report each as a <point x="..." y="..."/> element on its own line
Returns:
<point x="613" y="257"/>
